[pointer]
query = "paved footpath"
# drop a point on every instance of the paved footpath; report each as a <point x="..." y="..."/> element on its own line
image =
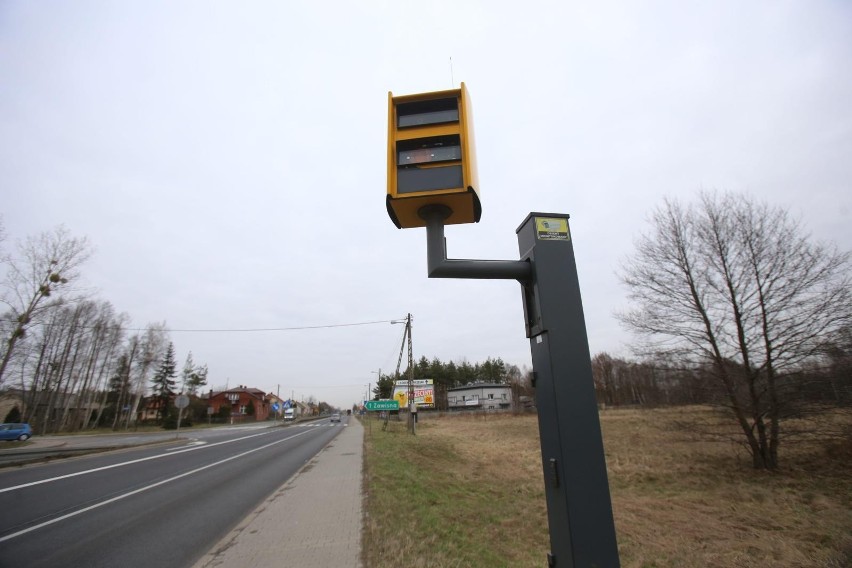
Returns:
<point x="313" y="520"/>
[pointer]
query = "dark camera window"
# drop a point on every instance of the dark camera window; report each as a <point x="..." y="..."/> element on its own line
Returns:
<point x="420" y="113"/>
<point x="427" y="150"/>
<point x="427" y="179"/>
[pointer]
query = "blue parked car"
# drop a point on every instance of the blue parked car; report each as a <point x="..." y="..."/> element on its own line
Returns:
<point x="15" y="431"/>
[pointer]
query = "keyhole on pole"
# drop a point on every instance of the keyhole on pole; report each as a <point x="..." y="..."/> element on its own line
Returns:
<point x="554" y="473"/>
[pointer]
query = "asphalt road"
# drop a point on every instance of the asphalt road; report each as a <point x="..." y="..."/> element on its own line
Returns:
<point x="163" y="506"/>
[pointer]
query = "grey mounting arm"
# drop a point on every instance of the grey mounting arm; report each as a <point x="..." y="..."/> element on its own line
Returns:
<point x="439" y="266"/>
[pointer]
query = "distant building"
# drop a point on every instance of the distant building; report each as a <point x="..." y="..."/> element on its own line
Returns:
<point x="481" y="396"/>
<point x="301" y="408"/>
<point x="150" y="408"/>
<point x="241" y="400"/>
<point x="272" y="399"/>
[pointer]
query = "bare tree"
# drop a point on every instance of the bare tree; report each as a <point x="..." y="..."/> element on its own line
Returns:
<point x="45" y="265"/>
<point x="151" y="348"/>
<point x="523" y="392"/>
<point x="121" y="384"/>
<point x="738" y="287"/>
<point x="2" y="237"/>
<point x="605" y="370"/>
<point x="623" y="382"/>
<point x="110" y="330"/>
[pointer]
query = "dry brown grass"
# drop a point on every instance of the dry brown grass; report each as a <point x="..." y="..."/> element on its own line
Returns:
<point x="679" y="500"/>
<point x="476" y="496"/>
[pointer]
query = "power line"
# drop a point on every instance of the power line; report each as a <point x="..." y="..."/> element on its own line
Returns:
<point x="220" y="330"/>
<point x="295" y="328"/>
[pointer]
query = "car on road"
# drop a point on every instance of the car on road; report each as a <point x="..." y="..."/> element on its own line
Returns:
<point x="335" y="417"/>
<point x="15" y="431"/>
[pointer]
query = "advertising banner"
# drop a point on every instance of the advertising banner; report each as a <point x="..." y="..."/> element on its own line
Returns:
<point x="424" y="393"/>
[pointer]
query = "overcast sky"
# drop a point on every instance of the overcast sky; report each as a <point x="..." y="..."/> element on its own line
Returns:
<point x="227" y="160"/>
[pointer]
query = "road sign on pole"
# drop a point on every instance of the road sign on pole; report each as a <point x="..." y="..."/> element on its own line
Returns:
<point x="381" y="405"/>
<point x="181" y="402"/>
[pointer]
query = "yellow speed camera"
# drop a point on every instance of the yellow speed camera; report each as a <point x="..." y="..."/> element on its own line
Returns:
<point x="431" y="157"/>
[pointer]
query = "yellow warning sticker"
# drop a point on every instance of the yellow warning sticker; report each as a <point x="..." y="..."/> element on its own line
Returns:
<point x="551" y="229"/>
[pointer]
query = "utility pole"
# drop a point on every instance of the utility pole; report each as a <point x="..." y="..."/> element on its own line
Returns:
<point x="378" y="385"/>
<point x="412" y="409"/>
<point x="412" y="405"/>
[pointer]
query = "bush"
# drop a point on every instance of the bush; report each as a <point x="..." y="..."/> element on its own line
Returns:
<point x="14" y="415"/>
<point x="171" y="422"/>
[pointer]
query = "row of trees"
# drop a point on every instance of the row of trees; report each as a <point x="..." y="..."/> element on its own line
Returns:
<point x="654" y="382"/>
<point x="68" y="356"/>
<point x="621" y="381"/>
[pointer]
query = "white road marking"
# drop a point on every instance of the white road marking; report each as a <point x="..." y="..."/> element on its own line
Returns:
<point x="140" y="490"/>
<point x="122" y="464"/>
<point x="189" y="445"/>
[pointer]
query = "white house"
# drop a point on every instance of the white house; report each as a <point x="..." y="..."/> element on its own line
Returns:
<point x="481" y="396"/>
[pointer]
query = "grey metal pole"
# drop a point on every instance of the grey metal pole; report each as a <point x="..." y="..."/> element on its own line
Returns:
<point x="441" y="267"/>
<point x="579" y="509"/>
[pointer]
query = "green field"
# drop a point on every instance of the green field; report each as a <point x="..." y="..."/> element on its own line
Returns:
<point x="468" y="491"/>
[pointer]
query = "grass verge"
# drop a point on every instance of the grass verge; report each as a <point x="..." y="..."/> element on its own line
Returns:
<point x="467" y="491"/>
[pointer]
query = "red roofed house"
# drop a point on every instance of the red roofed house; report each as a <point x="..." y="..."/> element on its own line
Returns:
<point x="241" y="400"/>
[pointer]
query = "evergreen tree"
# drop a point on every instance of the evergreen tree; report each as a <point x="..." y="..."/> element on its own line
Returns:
<point x="163" y="381"/>
<point x="421" y="369"/>
<point x="192" y="377"/>
<point x="384" y="387"/>
<point x="120" y="381"/>
<point x="119" y="391"/>
<point x="186" y="373"/>
<point x="197" y="379"/>
<point x="451" y="375"/>
<point x="492" y="371"/>
<point x="466" y="373"/>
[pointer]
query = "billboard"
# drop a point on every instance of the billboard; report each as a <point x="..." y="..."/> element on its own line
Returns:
<point x="424" y="393"/>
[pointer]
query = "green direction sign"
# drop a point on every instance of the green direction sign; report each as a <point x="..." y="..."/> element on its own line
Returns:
<point x="382" y="405"/>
